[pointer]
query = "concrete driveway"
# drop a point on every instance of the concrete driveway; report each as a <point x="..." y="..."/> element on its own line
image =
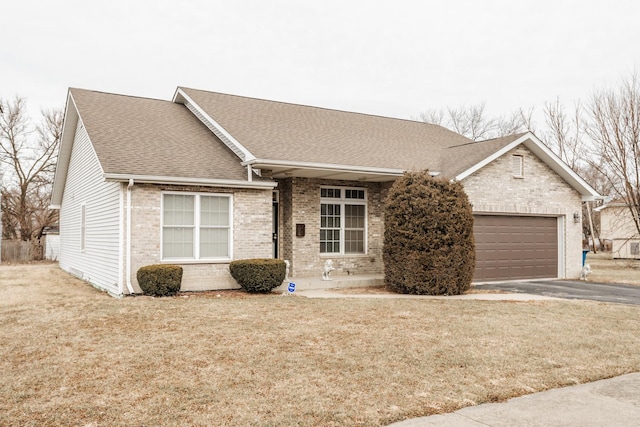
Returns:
<point x="571" y="289"/>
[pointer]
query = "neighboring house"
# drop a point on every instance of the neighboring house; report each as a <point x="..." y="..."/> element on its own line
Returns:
<point x="209" y="178"/>
<point x="617" y="225"/>
<point x="51" y="243"/>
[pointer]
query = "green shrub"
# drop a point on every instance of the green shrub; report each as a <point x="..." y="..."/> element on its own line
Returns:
<point x="258" y="275"/>
<point x="428" y="245"/>
<point x="160" y="279"/>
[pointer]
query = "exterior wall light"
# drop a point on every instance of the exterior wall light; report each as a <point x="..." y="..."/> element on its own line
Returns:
<point x="576" y="217"/>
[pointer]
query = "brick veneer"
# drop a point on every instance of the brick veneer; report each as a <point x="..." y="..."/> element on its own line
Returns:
<point x="300" y="204"/>
<point x="493" y="189"/>
<point x="251" y="233"/>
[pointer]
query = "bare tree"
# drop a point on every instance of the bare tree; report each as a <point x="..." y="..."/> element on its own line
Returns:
<point x="472" y="121"/>
<point x="613" y="127"/>
<point x="28" y="157"/>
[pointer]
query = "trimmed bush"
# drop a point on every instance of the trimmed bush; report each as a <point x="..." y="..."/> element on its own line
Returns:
<point x="429" y="247"/>
<point x="259" y="274"/>
<point x="160" y="279"/>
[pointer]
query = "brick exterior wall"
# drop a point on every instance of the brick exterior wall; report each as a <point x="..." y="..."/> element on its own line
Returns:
<point x="300" y="204"/>
<point x="494" y="189"/>
<point x="252" y="210"/>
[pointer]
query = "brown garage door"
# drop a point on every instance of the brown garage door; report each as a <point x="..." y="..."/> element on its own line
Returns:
<point x="515" y="247"/>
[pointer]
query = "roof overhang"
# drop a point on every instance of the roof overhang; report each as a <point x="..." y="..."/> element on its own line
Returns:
<point x="64" y="154"/>
<point x="173" y="180"/>
<point x="285" y="169"/>
<point x="545" y="154"/>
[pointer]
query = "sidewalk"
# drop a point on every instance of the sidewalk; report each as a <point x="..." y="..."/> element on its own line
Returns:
<point x="611" y="402"/>
<point x="330" y="293"/>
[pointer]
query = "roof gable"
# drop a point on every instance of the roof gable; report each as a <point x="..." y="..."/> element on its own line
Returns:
<point x="499" y="146"/>
<point x="146" y="139"/>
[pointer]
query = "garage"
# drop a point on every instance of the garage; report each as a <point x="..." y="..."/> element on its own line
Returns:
<point x="515" y="247"/>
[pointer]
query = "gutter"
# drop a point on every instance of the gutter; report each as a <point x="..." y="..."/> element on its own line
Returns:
<point x="128" y="261"/>
<point x="229" y="183"/>
<point x="272" y="164"/>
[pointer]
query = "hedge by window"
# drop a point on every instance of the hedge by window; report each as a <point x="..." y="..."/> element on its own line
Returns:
<point x="343" y="218"/>
<point x="196" y="226"/>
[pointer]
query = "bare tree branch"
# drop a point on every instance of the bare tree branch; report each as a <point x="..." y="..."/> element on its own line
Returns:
<point x="472" y="121"/>
<point x="29" y="157"/>
<point x="613" y="127"/>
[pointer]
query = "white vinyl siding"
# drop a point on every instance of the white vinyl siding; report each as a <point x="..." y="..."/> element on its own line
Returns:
<point x="99" y="262"/>
<point x="196" y="226"/>
<point x="83" y="227"/>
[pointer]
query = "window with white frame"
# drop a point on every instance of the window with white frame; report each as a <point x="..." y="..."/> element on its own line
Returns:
<point x="196" y="226"/>
<point x="343" y="220"/>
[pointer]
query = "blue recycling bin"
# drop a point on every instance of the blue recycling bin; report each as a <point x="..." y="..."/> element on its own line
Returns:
<point x="584" y="256"/>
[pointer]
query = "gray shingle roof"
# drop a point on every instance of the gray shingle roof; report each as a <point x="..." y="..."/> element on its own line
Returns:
<point x="141" y="136"/>
<point x="457" y="159"/>
<point x="290" y="132"/>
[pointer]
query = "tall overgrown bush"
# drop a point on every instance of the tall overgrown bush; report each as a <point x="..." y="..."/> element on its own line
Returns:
<point x="428" y="240"/>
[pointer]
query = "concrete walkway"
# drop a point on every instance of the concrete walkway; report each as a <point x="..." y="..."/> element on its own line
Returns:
<point x="330" y="293"/>
<point x="612" y="402"/>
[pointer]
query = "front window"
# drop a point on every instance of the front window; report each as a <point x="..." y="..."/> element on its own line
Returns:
<point x="196" y="226"/>
<point x="343" y="216"/>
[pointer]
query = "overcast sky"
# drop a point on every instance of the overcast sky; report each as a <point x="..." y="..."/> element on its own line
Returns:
<point x="393" y="58"/>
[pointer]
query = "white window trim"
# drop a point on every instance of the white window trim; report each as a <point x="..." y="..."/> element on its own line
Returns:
<point x="344" y="201"/>
<point x="196" y="237"/>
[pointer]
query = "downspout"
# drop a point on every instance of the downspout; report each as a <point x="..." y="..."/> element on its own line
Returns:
<point x="129" y="187"/>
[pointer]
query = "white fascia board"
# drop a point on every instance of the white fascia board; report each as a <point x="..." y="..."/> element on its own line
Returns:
<point x="270" y="164"/>
<point x="610" y="205"/>
<point x="69" y="126"/>
<point x="181" y="97"/>
<point x="173" y="180"/>
<point x="547" y="156"/>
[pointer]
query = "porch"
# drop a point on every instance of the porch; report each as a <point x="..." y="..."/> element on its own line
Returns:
<point x="338" y="281"/>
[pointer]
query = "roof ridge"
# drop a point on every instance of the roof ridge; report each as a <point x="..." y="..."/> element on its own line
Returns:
<point x="118" y="94"/>
<point x="318" y="107"/>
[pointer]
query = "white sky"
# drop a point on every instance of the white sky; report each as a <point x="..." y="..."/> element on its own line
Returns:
<point x="393" y="58"/>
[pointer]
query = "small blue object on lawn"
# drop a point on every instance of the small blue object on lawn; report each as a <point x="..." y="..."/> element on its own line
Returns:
<point x="584" y="256"/>
<point x="292" y="287"/>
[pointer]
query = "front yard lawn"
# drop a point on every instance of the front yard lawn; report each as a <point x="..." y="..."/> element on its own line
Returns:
<point x="71" y="355"/>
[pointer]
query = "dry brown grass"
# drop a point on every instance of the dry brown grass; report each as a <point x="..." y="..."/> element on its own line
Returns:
<point x="605" y="269"/>
<point x="71" y="355"/>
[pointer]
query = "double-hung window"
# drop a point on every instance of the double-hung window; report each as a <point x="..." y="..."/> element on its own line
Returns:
<point x="196" y="226"/>
<point x="343" y="219"/>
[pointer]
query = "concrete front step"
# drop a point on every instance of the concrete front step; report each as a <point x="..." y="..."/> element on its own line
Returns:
<point x="352" y="281"/>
